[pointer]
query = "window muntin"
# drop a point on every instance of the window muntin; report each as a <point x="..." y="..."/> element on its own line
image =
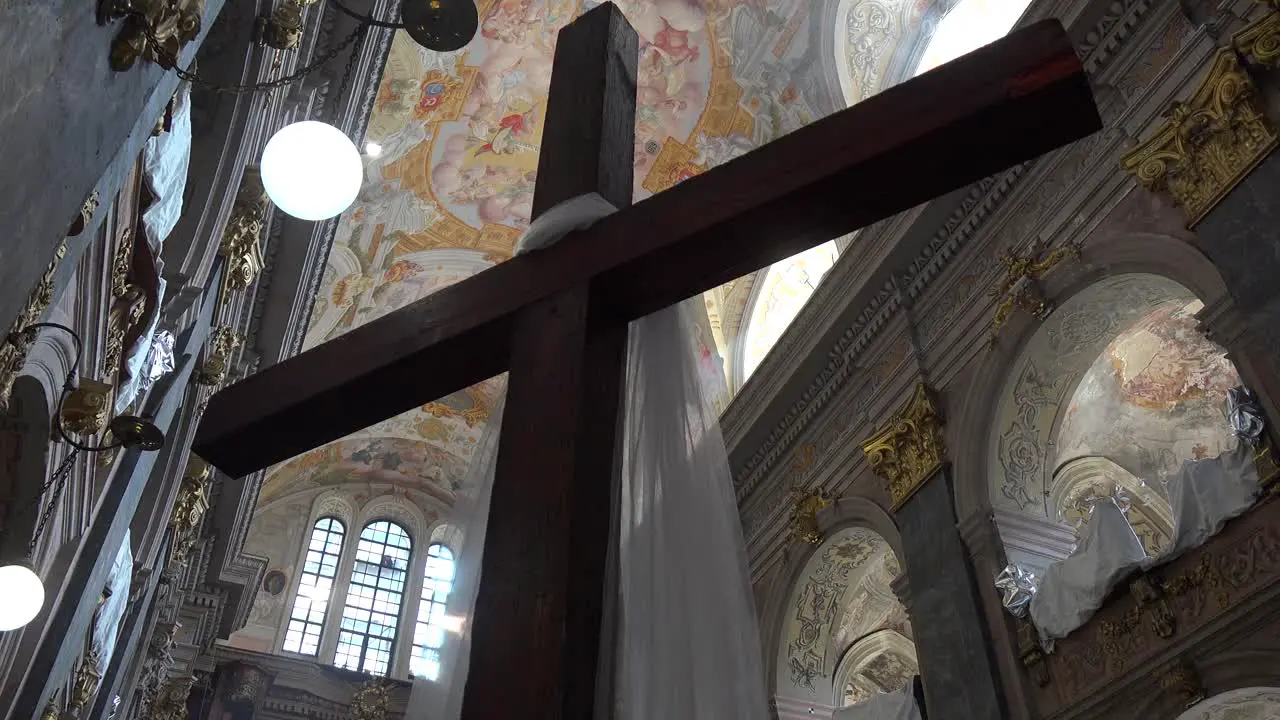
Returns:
<point x="367" y="633"/>
<point x="315" y="586"/>
<point x="428" y="631"/>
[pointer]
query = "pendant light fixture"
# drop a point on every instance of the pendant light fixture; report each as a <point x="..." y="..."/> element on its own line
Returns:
<point x="23" y="591"/>
<point x="312" y="170"/>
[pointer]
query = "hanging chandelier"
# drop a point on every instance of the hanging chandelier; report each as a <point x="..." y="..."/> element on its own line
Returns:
<point x="311" y="170"/>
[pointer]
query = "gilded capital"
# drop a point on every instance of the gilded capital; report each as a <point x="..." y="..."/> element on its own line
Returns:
<point x="189" y="508"/>
<point x="240" y="245"/>
<point x="87" y="409"/>
<point x="911" y="447"/>
<point x="1208" y="144"/>
<point x="1260" y="40"/>
<point x="15" y="346"/>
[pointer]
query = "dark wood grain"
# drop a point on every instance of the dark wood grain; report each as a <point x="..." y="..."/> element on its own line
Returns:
<point x="536" y="627"/>
<point x="1004" y="104"/>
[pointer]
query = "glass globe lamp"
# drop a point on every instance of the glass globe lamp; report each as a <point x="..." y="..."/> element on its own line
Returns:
<point x="23" y="595"/>
<point x="311" y="170"/>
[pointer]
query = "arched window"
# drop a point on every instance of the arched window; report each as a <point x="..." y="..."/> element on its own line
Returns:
<point x="314" y="587"/>
<point x="367" y="634"/>
<point x="428" y="632"/>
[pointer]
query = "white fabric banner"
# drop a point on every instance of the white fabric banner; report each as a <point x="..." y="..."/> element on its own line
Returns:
<point x="688" y="646"/>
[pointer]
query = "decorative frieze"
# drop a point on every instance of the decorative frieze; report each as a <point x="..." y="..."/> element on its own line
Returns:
<point x="910" y="449"/>
<point x="241" y="238"/>
<point x="1209" y="143"/>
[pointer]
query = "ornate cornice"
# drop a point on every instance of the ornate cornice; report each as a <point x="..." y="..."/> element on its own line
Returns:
<point x="977" y="207"/>
<point x="1209" y="143"/>
<point x="910" y="449"/>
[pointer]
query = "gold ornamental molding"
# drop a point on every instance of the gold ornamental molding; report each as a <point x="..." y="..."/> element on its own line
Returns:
<point x="154" y="30"/>
<point x="1260" y="41"/>
<point x="217" y="362"/>
<point x="87" y="409"/>
<point x="15" y="346"/>
<point x="241" y="240"/>
<point x="803" y="525"/>
<point x="1020" y="288"/>
<point x="189" y="509"/>
<point x="911" y="449"/>
<point x="1209" y="143"/>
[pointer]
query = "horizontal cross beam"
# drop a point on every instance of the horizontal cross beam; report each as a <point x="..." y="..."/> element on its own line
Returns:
<point x="1001" y="105"/>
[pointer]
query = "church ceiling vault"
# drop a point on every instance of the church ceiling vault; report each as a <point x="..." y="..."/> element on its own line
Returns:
<point x="450" y="157"/>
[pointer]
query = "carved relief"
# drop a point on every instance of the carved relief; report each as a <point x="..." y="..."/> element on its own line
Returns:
<point x="911" y="449"/>
<point x="241" y="239"/>
<point x="1260" y="41"/>
<point x="1020" y="288"/>
<point x="86" y="410"/>
<point x="371" y="701"/>
<point x="1181" y="680"/>
<point x="171" y="701"/>
<point x="804" y="515"/>
<point x="154" y="30"/>
<point x="189" y="509"/>
<point x="16" y="345"/>
<point x="222" y="342"/>
<point x="1162" y="608"/>
<point x="1208" y="144"/>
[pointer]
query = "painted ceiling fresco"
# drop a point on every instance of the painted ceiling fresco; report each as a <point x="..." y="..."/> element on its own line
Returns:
<point x="843" y="596"/>
<point x="451" y="152"/>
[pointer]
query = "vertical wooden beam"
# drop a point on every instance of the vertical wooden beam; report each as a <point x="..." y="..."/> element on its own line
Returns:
<point x="538" y="616"/>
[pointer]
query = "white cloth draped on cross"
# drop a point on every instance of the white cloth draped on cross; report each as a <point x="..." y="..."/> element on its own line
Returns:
<point x="687" y="644"/>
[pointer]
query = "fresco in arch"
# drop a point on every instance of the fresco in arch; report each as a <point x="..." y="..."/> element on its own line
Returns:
<point x="1153" y="398"/>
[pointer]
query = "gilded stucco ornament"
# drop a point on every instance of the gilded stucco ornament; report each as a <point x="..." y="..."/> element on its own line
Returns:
<point x="171" y="701"/>
<point x="282" y="27"/>
<point x="1020" y="287"/>
<point x="154" y="30"/>
<point x="371" y="701"/>
<point x="1207" y="144"/>
<point x="910" y="449"/>
<point x="1260" y="41"/>
<point x="189" y="509"/>
<point x="803" y="526"/>
<point x="1181" y="680"/>
<point x="217" y="363"/>
<point x="85" y="685"/>
<point x="16" y="345"/>
<point x="86" y="410"/>
<point x="241" y="239"/>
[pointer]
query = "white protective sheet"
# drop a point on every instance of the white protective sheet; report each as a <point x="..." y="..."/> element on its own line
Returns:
<point x="1074" y="588"/>
<point x="687" y="643"/>
<point x="897" y="705"/>
<point x="165" y="159"/>
<point x="1205" y="494"/>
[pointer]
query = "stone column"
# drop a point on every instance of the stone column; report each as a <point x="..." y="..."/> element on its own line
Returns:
<point x="951" y="636"/>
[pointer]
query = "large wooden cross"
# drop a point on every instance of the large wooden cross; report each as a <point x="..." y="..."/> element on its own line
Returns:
<point x="556" y="319"/>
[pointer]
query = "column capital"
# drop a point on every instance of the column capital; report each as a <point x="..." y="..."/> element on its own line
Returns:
<point x="910" y="449"/>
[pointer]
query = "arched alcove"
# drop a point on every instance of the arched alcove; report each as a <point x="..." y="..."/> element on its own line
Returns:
<point x="1115" y="389"/>
<point x="842" y="625"/>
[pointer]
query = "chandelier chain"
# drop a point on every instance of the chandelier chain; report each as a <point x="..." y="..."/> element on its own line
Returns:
<point x="59" y="476"/>
<point x="168" y="59"/>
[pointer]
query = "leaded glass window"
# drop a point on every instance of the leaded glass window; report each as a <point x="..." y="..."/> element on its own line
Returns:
<point x="366" y="636"/>
<point x="315" y="586"/>
<point x="428" y="631"/>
